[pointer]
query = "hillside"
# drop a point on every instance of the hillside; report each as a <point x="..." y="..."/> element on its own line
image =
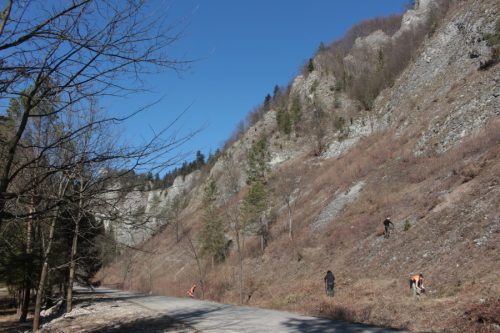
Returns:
<point x="425" y="150"/>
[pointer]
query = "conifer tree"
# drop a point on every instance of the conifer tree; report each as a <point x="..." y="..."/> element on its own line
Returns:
<point x="212" y="232"/>
<point x="321" y="47"/>
<point x="200" y="159"/>
<point x="258" y="158"/>
<point x="276" y="92"/>
<point x="267" y="103"/>
<point x="255" y="200"/>
<point x="296" y="110"/>
<point x="310" y="65"/>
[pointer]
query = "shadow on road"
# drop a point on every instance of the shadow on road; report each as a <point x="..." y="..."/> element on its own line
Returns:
<point x="149" y="325"/>
<point x="185" y="315"/>
<point x="322" y="325"/>
<point x="96" y="296"/>
<point x="227" y="318"/>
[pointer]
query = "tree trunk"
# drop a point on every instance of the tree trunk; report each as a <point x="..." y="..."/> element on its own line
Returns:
<point x="19" y="297"/>
<point x="240" y="258"/>
<point x="198" y="264"/>
<point x="72" y="268"/>
<point x="38" y="304"/>
<point x="5" y="15"/>
<point x="262" y="242"/>
<point x="290" y="234"/>
<point x="25" y="301"/>
<point x="45" y="267"/>
<point x="263" y="234"/>
<point x="177" y="231"/>
<point x="74" y="246"/>
<point x="43" y="276"/>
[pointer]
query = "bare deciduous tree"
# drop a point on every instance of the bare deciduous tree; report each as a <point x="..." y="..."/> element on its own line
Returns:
<point x="288" y="187"/>
<point x="56" y="62"/>
<point x="76" y="51"/>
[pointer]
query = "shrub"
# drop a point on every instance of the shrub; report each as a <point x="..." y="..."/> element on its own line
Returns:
<point x="336" y="312"/>
<point x="493" y="40"/>
<point x="292" y="299"/>
<point x="339" y="123"/>
<point x="407" y="225"/>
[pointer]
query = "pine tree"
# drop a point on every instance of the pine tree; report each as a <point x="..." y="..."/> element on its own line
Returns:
<point x="258" y="158"/>
<point x="296" y="110"/>
<point x="321" y="47"/>
<point x="276" y="92"/>
<point x="255" y="200"/>
<point x="267" y="103"/>
<point x="200" y="159"/>
<point x="212" y="232"/>
<point x="310" y="65"/>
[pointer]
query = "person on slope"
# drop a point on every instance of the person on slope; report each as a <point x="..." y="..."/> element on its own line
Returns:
<point x="191" y="291"/>
<point x="329" y="283"/>
<point x="388" y="225"/>
<point x="417" y="284"/>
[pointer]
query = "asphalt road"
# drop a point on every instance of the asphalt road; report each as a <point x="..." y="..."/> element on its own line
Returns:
<point x="207" y="316"/>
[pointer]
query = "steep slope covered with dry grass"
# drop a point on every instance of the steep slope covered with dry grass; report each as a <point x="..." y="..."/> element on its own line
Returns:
<point x="430" y="160"/>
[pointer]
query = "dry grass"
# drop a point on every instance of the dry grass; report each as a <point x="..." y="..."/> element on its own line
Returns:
<point x="445" y="199"/>
<point x="483" y="317"/>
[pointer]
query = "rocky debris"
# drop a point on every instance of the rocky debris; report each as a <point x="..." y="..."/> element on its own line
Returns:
<point x="277" y="158"/>
<point x="442" y="87"/>
<point x="469" y="113"/>
<point x="350" y="135"/>
<point x="338" y="147"/>
<point x="328" y="214"/>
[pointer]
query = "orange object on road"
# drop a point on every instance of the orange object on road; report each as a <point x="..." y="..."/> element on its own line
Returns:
<point x="191" y="291"/>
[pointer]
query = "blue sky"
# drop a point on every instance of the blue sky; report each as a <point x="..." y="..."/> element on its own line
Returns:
<point x="244" y="49"/>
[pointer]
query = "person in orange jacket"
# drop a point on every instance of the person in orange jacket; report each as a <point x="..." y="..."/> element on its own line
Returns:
<point x="417" y="284"/>
<point x="191" y="291"/>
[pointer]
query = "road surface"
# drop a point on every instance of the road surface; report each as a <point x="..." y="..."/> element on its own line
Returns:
<point x="205" y="316"/>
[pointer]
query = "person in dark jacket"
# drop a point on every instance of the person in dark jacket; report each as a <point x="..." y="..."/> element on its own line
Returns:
<point x="329" y="283"/>
<point x="388" y="225"/>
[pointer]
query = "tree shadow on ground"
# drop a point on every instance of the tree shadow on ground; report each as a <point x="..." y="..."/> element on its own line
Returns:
<point x="319" y="325"/>
<point x="150" y="325"/>
<point x="11" y="324"/>
<point x="83" y="296"/>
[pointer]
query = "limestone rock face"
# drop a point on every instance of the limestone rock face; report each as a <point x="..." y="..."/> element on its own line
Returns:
<point x="141" y="213"/>
<point x="441" y="93"/>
